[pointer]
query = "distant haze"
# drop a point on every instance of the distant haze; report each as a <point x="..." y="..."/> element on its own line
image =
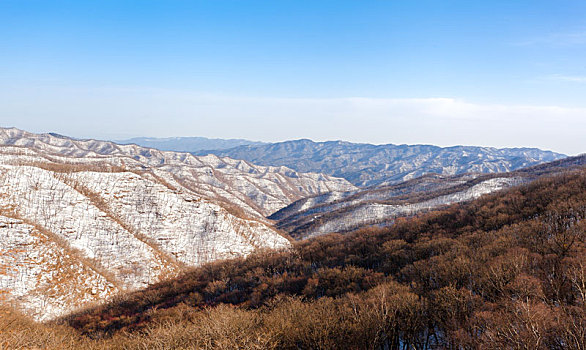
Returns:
<point x="186" y="144"/>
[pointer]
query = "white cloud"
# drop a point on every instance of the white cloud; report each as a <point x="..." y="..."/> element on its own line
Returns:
<point x="118" y="113"/>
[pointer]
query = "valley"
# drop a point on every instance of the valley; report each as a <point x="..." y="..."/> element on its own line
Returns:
<point x="292" y="175"/>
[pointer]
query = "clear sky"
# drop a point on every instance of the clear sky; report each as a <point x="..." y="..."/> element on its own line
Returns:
<point x="494" y="73"/>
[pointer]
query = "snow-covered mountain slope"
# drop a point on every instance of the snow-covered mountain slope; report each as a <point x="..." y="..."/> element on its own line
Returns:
<point x="363" y="214"/>
<point x="368" y="165"/>
<point x="346" y="211"/>
<point x="124" y="228"/>
<point x="255" y="190"/>
<point x="81" y="221"/>
<point x="43" y="276"/>
<point x="332" y="201"/>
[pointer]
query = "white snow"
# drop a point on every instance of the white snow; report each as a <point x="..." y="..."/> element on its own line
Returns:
<point x="82" y="220"/>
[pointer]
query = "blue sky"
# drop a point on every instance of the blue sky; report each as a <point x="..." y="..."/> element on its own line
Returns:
<point x="494" y="73"/>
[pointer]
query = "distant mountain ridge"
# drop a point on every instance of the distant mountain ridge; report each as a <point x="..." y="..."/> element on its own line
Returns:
<point x="367" y="165"/>
<point x="380" y="206"/>
<point x="187" y="144"/>
<point x="257" y="190"/>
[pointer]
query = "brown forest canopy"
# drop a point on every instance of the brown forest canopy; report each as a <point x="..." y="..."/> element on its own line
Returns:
<point x="505" y="271"/>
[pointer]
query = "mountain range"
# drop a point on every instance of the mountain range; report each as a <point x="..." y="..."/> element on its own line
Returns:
<point x="82" y="221"/>
<point x="367" y="165"/>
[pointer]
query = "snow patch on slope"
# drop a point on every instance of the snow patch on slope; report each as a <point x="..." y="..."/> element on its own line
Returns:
<point x="373" y="213"/>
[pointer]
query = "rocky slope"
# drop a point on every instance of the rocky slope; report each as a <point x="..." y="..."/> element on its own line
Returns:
<point x="81" y="220"/>
<point x="367" y="165"/>
<point x="346" y="211"/>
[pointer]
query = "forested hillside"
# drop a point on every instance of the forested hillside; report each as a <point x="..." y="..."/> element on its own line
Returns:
<point x="504" y="271"/>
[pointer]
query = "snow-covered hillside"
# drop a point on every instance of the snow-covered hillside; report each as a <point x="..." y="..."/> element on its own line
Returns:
<point x="257" y="190"/>
<point x="347" y="211"/>
<point x="377" y="213"/>
<point x="81" y="221"/>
